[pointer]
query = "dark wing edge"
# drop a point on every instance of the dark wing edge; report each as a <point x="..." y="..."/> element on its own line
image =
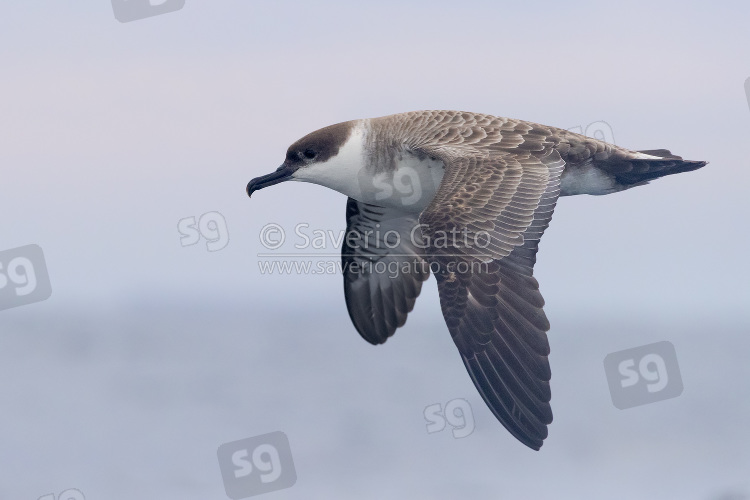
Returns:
<point x="383" y="274"/>
<point x="493" y="309"/>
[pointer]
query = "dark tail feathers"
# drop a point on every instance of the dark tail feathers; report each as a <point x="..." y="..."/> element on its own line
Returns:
<point x="640" y="171"/>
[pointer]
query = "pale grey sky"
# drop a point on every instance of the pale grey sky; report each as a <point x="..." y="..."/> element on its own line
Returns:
<point x="114" y="132"/>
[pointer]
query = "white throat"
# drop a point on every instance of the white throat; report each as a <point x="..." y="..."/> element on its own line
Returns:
<point x="408" y="184"/>
<point x="341" y="172"/>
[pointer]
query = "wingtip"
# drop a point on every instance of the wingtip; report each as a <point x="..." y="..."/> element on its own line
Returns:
<point x="530" y="442"/>
<point x="535" y="447"/>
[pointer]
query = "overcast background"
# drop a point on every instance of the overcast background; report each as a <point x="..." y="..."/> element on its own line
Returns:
<point x="149" y="355"/>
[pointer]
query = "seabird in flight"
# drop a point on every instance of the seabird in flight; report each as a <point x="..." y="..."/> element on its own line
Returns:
<point x="467" y="197"/>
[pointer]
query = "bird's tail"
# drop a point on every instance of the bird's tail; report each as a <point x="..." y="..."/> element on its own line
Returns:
<point x="650" y="164"/>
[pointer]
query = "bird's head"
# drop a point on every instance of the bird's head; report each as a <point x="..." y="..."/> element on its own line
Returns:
<point x="331" y="157"/>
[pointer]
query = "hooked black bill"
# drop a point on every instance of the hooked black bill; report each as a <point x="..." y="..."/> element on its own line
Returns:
<point x="281" y="174"/>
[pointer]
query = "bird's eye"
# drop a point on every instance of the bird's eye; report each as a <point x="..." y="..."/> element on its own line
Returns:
<point x="309" y="154"/>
